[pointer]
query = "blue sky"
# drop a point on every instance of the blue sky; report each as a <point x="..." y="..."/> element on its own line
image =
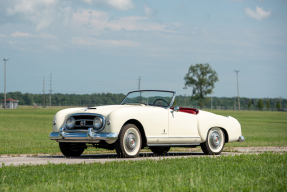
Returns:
<point x="94" y="46"/>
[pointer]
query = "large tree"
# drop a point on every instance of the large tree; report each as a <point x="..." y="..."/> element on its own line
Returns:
<point x="201" y="77"/>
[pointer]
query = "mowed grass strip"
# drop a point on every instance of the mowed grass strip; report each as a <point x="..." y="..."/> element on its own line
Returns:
<point x="26" y="130"/>
<point x="263" y="172"/>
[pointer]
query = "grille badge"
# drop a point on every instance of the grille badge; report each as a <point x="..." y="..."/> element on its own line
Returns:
<point x="83" y="123"/>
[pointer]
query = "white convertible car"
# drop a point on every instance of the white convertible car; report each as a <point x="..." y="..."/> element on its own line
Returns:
<point x="144" y="118"/>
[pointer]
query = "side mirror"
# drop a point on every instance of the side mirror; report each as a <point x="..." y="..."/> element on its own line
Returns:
<point x="176" y="108"/>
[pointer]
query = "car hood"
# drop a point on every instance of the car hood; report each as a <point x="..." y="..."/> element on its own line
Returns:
<point x="102" y="110"/>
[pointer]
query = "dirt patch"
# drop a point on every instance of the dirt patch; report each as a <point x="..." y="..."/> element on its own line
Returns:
<point x="256" y="149"/>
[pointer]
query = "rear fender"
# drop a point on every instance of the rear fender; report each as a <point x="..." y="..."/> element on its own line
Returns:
<point x="229" y="125"/>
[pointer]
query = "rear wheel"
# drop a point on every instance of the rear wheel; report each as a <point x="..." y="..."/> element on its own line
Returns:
<point x="72" y="149"/>
<point x="129" y="141"/>
<point x="214" y="143"/>
<point x="159" y="150"/>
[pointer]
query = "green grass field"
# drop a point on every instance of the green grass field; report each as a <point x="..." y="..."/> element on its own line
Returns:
<point x="264" y="172"/>
<point x="26" y="130"/>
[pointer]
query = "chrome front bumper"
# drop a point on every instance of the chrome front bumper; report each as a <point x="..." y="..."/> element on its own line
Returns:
<point x="87" y="137"/>
<point x="241" y="139"/>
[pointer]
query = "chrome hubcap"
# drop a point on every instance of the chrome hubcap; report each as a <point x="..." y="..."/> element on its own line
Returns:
<point x="130" y="141"/>
<point x="215" y="139"/>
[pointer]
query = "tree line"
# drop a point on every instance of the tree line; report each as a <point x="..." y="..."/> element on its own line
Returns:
<point x="201" y="78"/>
<point x="97" y="99"/>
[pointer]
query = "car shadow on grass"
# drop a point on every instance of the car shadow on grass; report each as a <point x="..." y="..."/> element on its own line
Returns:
<point x="115" y="156"/>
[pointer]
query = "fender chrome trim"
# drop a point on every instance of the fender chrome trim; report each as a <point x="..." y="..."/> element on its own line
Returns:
<point x="174" y="145"/>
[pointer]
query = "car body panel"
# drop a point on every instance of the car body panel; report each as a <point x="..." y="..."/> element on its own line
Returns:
<point x="183" y="128"/>
<point x="153" y="119"/>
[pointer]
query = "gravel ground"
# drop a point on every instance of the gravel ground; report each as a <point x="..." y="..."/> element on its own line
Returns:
<point x="39" y="159"/>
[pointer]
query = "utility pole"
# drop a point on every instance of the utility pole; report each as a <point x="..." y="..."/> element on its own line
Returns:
<point x="139" y="83"/>
<point x="43" y="92"/>
<point x="50" y="90"/>
<point x="211" y="101"/>
<point x="185" y="95"/>
<point x="5" y="82"/>
<point x="237" y="89"/>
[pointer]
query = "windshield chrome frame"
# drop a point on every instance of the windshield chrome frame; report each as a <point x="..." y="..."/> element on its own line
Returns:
<point x="170" y="104"/>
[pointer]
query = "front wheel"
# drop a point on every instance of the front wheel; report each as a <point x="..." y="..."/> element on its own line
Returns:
<point x="72" y="149"/>
<point x="129" y="141"/>
<point x="214" y="143"/>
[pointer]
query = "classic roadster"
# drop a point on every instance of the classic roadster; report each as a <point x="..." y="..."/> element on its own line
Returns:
<point x="144" y="119"/>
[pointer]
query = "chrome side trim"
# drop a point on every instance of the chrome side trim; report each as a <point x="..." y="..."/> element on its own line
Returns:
<point x="174" y="145"/>
<point x="241" y="139"/>
<point x="174" y="137"/>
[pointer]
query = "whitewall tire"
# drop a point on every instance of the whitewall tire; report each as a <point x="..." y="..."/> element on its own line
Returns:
<point x="129" y="141"/>
<point x="214" y="143"/>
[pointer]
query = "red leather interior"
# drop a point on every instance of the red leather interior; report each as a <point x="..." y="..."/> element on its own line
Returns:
<point x="188" y="110"/>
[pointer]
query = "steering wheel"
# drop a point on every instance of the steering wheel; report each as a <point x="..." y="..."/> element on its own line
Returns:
<point x="159" y="102"/>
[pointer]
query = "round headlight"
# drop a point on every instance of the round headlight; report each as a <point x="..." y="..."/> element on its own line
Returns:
<point x="98" y="123"/>
<point x="70" y="123"/>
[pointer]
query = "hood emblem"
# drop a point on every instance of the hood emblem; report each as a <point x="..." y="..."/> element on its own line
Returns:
<point x="83" y="123"/>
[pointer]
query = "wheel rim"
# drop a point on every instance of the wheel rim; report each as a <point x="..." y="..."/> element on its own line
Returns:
<point x="131" y="141"/>
<point x="215" y="139"/>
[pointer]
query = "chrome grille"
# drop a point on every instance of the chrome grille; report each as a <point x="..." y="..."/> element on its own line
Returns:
<point x="87" y="119"/>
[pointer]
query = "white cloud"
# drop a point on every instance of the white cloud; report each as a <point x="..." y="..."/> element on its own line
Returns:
<point x="29" y="35"/>
<point x="103" y="43"/>
<point x="258" y="14"/>
<point x="29" y="6"/>
<point x="46" y="36"/>
<point x="20" y="34"/>
<point x="41" y="13"/>
<point x="88" y="1"/>
<point x="122" y="5"/>
<point x="99" y="20"/>
<point x="149" y="12"/>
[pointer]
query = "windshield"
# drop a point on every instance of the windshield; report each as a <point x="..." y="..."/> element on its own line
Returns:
<point x="154" y="98"/>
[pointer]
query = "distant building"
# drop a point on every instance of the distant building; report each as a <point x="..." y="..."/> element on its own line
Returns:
<point x="10" y="103"/>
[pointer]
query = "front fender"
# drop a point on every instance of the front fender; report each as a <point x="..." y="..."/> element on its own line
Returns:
<point x="59" y="118"/>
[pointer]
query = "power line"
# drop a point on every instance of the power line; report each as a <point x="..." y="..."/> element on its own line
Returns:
<point x="43" y="92"/>
<point x="237" y="89"/>
<point x="139" y="83"/>
<point x="50" y="89"/>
